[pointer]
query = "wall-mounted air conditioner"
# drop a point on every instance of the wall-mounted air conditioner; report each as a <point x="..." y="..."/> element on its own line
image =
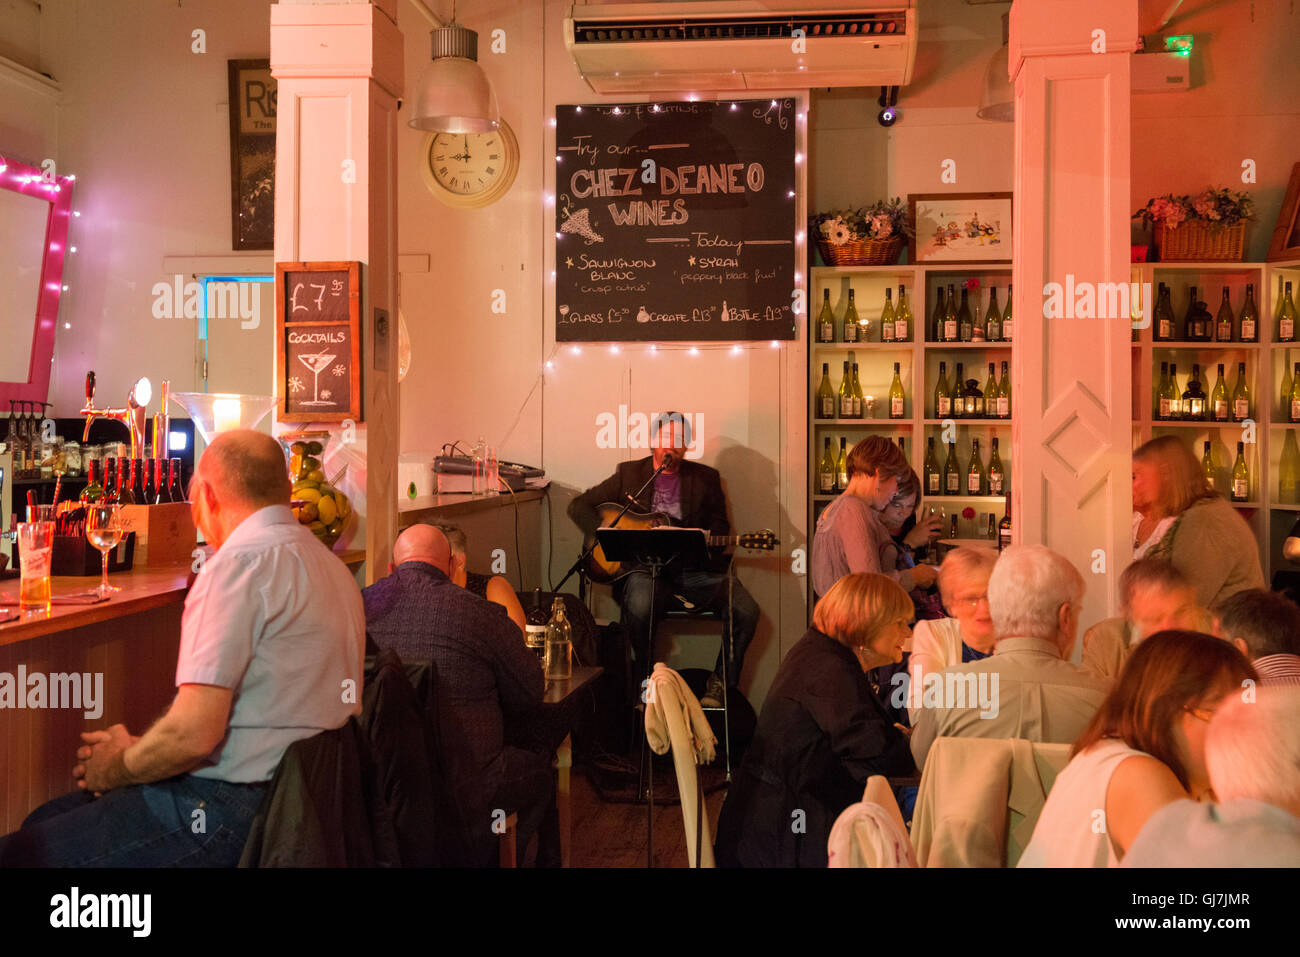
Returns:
<point x="741" y="45"/>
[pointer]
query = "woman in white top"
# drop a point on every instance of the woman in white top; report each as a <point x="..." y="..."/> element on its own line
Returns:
<point x="968" y="635"/>
<point x="1145" y="748"/>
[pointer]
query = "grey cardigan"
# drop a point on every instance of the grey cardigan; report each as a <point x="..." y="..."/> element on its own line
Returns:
<point x="1214" y="548"/>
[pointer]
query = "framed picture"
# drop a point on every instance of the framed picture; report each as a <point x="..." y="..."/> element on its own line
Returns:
<point x="318" y="341"/>
<point x="252" y="154"/>
<point x="1286" y="234"/>
<point x="960" y="228"/>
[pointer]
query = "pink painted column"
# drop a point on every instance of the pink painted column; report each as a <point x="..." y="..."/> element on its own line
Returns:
<point x="339" y="71"/>
<point x="1072" y="439"/>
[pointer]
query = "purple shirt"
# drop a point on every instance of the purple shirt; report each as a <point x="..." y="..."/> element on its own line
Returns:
<point x="668" y="495"/>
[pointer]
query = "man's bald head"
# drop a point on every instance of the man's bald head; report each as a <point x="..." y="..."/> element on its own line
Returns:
<point x="245" y="469"/>
<point x="423" y="543"/>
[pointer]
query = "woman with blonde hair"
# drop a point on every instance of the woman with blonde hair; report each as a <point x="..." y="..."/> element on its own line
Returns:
<point x="1179" y="517"/>
<point x="822" y="732"/>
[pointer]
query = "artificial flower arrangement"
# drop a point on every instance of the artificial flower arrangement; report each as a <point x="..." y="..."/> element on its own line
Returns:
<point x="1215" y="207"/>
<point x="864" y="236"/>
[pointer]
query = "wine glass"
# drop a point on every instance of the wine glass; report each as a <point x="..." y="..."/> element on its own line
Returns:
<point x="104" y="531"/>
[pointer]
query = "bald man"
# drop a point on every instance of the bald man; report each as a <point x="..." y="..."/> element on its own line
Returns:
<point x="486" y="677"/>
<point x="271" y="648"/>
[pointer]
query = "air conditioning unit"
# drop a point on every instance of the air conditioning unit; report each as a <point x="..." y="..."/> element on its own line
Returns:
<point x="629" y="48"/>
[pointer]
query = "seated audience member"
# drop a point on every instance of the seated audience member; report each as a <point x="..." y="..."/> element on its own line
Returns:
<point x="850" y="535"/>
<point x="1154" y="596"/>
<point x="1252" y="756"/>
<point x="968" y="634"/>
<point x="1265" y="627"/>
<point x="1145" y="748"/>
<point x="495" y="588"/>
<point x="485" y="674"/>
<point x="822" y="732"/>
<point x="272" y="623"/>
<point x="1027" y="688"/>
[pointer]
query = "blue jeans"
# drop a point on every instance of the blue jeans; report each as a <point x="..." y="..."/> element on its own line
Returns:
<point x="704" y="589"/>
<point x="145" y="825"/>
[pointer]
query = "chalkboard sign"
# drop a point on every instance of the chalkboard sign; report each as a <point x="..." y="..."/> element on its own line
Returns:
<point x="318" y="341"/>
<point x="675" y="221"/>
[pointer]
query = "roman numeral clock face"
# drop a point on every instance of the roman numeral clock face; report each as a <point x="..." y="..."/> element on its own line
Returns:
<point x="470" y="169"/>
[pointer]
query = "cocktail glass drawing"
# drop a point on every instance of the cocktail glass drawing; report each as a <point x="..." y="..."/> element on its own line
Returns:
<point x="316" y="363"/>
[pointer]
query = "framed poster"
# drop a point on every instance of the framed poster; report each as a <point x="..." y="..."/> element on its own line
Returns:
<point x="318" y="341"/>
<point x="252" y="154"/>
<point x="675" y="221"/>
<point x="1285" y="243"/>
<point x="960" y="228"/>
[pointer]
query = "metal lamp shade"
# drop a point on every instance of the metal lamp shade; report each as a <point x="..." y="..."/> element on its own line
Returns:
<point x="997" y="99"/>
<point x="454" y="96"/>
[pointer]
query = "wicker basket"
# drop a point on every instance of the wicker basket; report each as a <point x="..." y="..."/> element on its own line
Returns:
<point x="1195" y="241"/>
<point x="861" y="252"/>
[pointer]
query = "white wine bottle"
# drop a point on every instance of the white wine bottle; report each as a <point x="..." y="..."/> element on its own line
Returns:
<point x="886" y="318"/>
<point x="1219" y="400"/>
<point x="975" y="471"/>
<point x="846" y="393"/>
<point x="1293" y="405"/>
<point x="942" y="394"/>
<point x="993" y="318"/>
<point x="827" y="473"/>
<point x="1240" y="476"/>
<point x="979" y="323"/>
<point x="842" y="468"/>
<point x="997" y="476"/>
<point x="952" y="472"/>
<point x="933" y="477"/>
<point x="1286" y="317"/>
<point x="857" y="394"/>
<point x="990" y="404"/>
<point x="826" y="395"/>
<point x="1287" y="383"/>
<point x="1008" y="321"/>
<point x="965" y="325"/>
<point x="826" y="319"/>
<point x="1223" y="321"/>
<point x="896" y="395"/>
<point x="940" y="310"/>
<point x="950" y="316"/>
<point x="852" y="326"/>
<point x="1289" y="471"/>
<point x="903" y="317"/>
<point x="1174" y="393"/>
<point x="1207" y="466"/>
<point x="1162" y="400"/>
<point x="959" y="393"/>
<point x="1241" y="396"/>
<point x="1248" y="321"/>
<point x="1004" y="393"/>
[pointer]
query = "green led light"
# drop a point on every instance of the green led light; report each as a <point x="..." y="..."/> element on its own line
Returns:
<point x="1181" y="45"/>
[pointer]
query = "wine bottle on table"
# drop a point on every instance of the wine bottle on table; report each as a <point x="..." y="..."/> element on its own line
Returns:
<point x="965" y="325"/>
<point x="1248" y="321"/>
<point x="858" y="405"/>
<point x="1004" y="393"/>
<point x="952" y="472"/>
<point x="828" y="473"/>
<point x="975" y="471"/>
<point x="90" y="495"/>
<point x="993" y="318"/>
<point x="852" y="327"/>
<point x="903" y="317"/>
<point x="1286" y="317"/>
<point x="1240" y="476"/>
<point x="942" y="394"/>
<point x="1008" y="322"/>
<point x="535" y="626"/>
<point x="997" y="476"/>
<point x="933" y="477"/>
<point x="940" y="310"/>
<point x="1219" y="410"/>
<point x="1207" y="467"/>
<point x="842" y="468"/>
<point x="1241" y="396"/>
<point x="897" y="397"/>
<point x="950" y="316"/>
<point x="1223" y="321"/>
<point x="826" y="319"/>
<point x="826" y="394"/>
<point x="846" y="393"/>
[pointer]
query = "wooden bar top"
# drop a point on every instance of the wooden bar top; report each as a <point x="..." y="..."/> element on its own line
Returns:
<point x="142" y="589"/>
<point x="431" y="508"/>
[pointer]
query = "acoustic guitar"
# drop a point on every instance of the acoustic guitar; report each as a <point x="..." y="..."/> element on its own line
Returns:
<point x="600" y="569"/>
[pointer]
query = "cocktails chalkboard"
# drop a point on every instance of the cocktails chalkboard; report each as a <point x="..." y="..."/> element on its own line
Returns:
<point x="318" y="341"/>
<point x="675" y="221"/>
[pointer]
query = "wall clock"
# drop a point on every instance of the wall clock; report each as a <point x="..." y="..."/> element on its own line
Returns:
<point x="469" y="170"/>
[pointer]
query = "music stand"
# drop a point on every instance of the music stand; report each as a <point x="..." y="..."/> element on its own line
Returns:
<point x="653" y="548"/>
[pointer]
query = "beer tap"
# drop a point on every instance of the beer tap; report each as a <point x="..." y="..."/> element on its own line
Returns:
<point x="162" y="425"/>
<point x="133" y="416"/>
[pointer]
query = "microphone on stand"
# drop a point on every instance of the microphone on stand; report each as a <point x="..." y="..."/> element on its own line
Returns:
<point x="669" y="459"/>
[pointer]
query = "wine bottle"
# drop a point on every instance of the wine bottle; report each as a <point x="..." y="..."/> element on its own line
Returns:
<point x="842" y="468"/>
<point x="535" y="626"/>
<point x="110" y="482"/>
<point x="161" y="494"/>
<point x="1287" y="383"/>
<point x="1194" y="397"/>
<point x="952" y="526"/>
<point x="1219" y="400"/>
<point x="1004" y="393"/>
<point x="950" y="316"/>
<point x="90" y="495"/>
<point x="826" y="395"/>
<point x="1286" y="318"/>
<point x="125" y="480"/>
<point x="846" y="393"/>
<point x="557" y="662"/>
<point x="148" y="491"/>
<point x="997" y="477"/>
<point x="993" y="528"/>
<point x="1240" y="476"/>
<point x="993" y="318"/>
<point x="1223" y="321"/>
<point x="826" y="319"/>
<point x="965" y="327"/>
<point x="852" y="328"/>
<point x="975" y="471"/>
<point x="1004" y="528"/>
<point x="1162" y="400"/>
<point x="1175" y="393"/>
<point x="959" y="393"/>
<point x="979" y="323"/>
<point x="1293" y="400"/>
<point x="933" y="477"/>
<point x="1164" y="324"/>
<point x="952" y="472"/>
<point x="1188" y="331"/>
<point x="137" y="481"/>
<point x="176" y="488"/>
<point x="940" y="310"/>
<point x="887" y="317"/>
<point x="942" y="394"/>
<point x="896" y="395"/>
<point x="859" y="406"/>
<point x="828" y="472"/>
<point x="989" y="403"/>
<point x="903" y="317"/>
<point x="1248" y="321"/>
<point x="1207" y="467"/>
<point x="1241" y="396"/>
<point x="1008" y="323"/>
<point x="1289" y="471"/>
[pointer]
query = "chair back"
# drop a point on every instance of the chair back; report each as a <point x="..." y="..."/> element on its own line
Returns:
<point x="871" y="833"/>
<point x="670" y="705"/>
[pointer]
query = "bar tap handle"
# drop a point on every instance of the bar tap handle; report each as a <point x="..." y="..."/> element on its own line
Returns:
<point x="90" y="387"/>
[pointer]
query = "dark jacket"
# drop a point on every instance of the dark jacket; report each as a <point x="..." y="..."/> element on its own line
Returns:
<point x="703" y="504"/>
<point x="822" y="733"/>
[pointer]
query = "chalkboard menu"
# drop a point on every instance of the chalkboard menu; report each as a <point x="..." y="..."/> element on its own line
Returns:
<point x="318" y="341"/>
<point x="675" y="221"/>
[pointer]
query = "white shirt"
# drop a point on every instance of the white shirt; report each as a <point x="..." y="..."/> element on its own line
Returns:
<point x="1141" y="548"/>
<point x="1237" y="833"/>
<point x="277" y="617"/>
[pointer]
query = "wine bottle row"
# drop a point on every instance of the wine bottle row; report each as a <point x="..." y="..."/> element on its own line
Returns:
<point x="894" y="325"/>
<point x="1239" y="487"/>
<point x="833" y="473"/>
<point x="1194" y="405"/>
<point x="1198" y="325"/>
<point x="127" y="481"/>
<point x="964" y="399"/>
<point x="953" y="323"/>
<point x="849" y="403"/>
<point x="975" y="479"/>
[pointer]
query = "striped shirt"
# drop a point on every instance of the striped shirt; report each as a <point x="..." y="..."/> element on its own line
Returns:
<point x="1278" y="670"/>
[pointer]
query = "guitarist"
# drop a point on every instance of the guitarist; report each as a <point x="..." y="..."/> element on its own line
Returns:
<point x="691" y="494"/>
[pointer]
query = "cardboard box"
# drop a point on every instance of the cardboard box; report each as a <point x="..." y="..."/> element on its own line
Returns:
<point x="165" y="534"/>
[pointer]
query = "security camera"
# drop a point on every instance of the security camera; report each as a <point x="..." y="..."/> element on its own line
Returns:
<point x="887" y="117"/>
<point x="888" y="101"/>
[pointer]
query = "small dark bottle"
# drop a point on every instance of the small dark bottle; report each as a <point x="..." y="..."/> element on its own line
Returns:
<point x="148" y="491"/>
<point x="110" y="496"/>
<point x="174" y="488"/>
<point x="126" y="481"/>
<point x="161" y="495"/>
